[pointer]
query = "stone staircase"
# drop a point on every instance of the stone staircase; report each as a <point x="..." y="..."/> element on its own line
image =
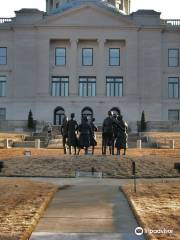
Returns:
<point x="45" y="141"/>
<point x="29" y="141"/>
<point x="57" y="141"/>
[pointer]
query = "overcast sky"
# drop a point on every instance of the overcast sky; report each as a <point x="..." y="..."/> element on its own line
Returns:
<point x="169" y="9"/>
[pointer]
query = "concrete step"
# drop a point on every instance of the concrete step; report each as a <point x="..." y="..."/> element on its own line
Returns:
<point x="33" y="138"/>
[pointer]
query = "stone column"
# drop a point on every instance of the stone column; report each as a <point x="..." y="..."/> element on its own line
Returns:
<point x="139" y="144"/>
<point x="6" y="143"/>
<point x="47" y="6"/>
<point x="101" y="81"/>
<point x="73" y="78"/>
<point x="54" y="4"/>
<point x="37" y="143"/>
<point x="172" y="144"/>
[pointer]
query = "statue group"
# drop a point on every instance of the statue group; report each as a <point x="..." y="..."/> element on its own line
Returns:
<point x="82" y="136"/>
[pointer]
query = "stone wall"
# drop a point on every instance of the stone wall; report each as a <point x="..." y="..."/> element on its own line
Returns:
<point x="162" y="126"/>
<point x="13" y="125"/>
<point x="159" y="126"/>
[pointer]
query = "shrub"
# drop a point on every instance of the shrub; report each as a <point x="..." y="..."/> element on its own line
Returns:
<point x="30" y="120"/>
<point x="143" y="122"/>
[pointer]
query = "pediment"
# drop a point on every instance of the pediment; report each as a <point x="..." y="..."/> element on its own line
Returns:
<point x="88" y="15"/>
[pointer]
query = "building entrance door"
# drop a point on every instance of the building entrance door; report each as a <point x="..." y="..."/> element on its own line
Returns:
<point x="58" y="115"/>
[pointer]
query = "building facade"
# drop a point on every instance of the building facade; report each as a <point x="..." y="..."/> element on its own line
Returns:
<point x="88" y="57"/>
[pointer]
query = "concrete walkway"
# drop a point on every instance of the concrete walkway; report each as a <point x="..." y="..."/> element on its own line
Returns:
<point x="90" y="209"/>
<point x="85" y="181"/>
<point x="93" y="212"/>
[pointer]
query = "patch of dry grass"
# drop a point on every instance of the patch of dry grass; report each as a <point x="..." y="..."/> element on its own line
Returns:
<point x="157" y="206"/>
<point x="22" y="203"/>
<point x="46" y="162"/>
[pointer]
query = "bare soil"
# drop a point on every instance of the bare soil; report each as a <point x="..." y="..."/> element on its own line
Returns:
<point x="157" y="207"/>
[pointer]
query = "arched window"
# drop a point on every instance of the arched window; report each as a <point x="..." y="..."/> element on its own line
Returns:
<point x="58" y="115"/>
<point x="88" y="112"/>
<point x="116" y="110"/>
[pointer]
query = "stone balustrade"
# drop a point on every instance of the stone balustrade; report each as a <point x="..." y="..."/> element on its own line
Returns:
<point x="171" y="22"/>
<point x="5" y="20"/>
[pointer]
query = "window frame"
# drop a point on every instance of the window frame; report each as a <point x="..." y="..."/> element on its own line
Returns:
<point x="4" y="57"/>
<point x="173" y="88"/>
<point x="169" y="110"/>
<point x="87" y="82"/>
<point x="2" y="108"/>
<point x="92" y="58"/>
<point x="119" y="59"/>
<point x="64" y="57"/>
<point x="60" y="86"/>
<point x="177" y="49"/>
<point x="121" y="82"/>
<point x="5" y="88"/>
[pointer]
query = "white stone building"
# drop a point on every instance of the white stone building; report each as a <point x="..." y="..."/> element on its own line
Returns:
<point x="88" y="57"/>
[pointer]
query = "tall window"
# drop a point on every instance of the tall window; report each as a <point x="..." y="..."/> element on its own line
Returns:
<point x="60" y="86"/>
<point x="87" y="86"/>
<point x="173" y="57"/>
<point x="2" y="86"/>
<point x="60" y="56"/>
<point x="173" y="87"/>
<point x="114" y="56"/>
<point x="87" y="56"/>
<point x="114" y="86"/>
<point x="3" y="55"/>
<point x="173" y="115"/>
<point x="2" y="114"/>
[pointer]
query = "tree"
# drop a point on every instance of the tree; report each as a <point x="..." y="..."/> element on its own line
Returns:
<point x="30" y="120"/>
<point x="143" y="122"/>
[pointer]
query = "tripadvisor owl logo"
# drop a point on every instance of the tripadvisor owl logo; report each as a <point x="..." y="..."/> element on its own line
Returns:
<point x="139" y="231"/>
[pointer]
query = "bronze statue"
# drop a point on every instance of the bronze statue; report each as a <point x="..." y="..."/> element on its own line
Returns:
<point x="107" y="134"/>
<point x="85" y="133"/>
<point x="72" y="127"/>
<point x="94" y="129"/>
<point x="64" y="132"/>
<point x="121" y="139"/>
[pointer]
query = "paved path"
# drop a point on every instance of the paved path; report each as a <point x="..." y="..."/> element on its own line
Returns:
<point x="94" y="212"/>
<point x="90" y="209"/>
<point x="93" y="181"/>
